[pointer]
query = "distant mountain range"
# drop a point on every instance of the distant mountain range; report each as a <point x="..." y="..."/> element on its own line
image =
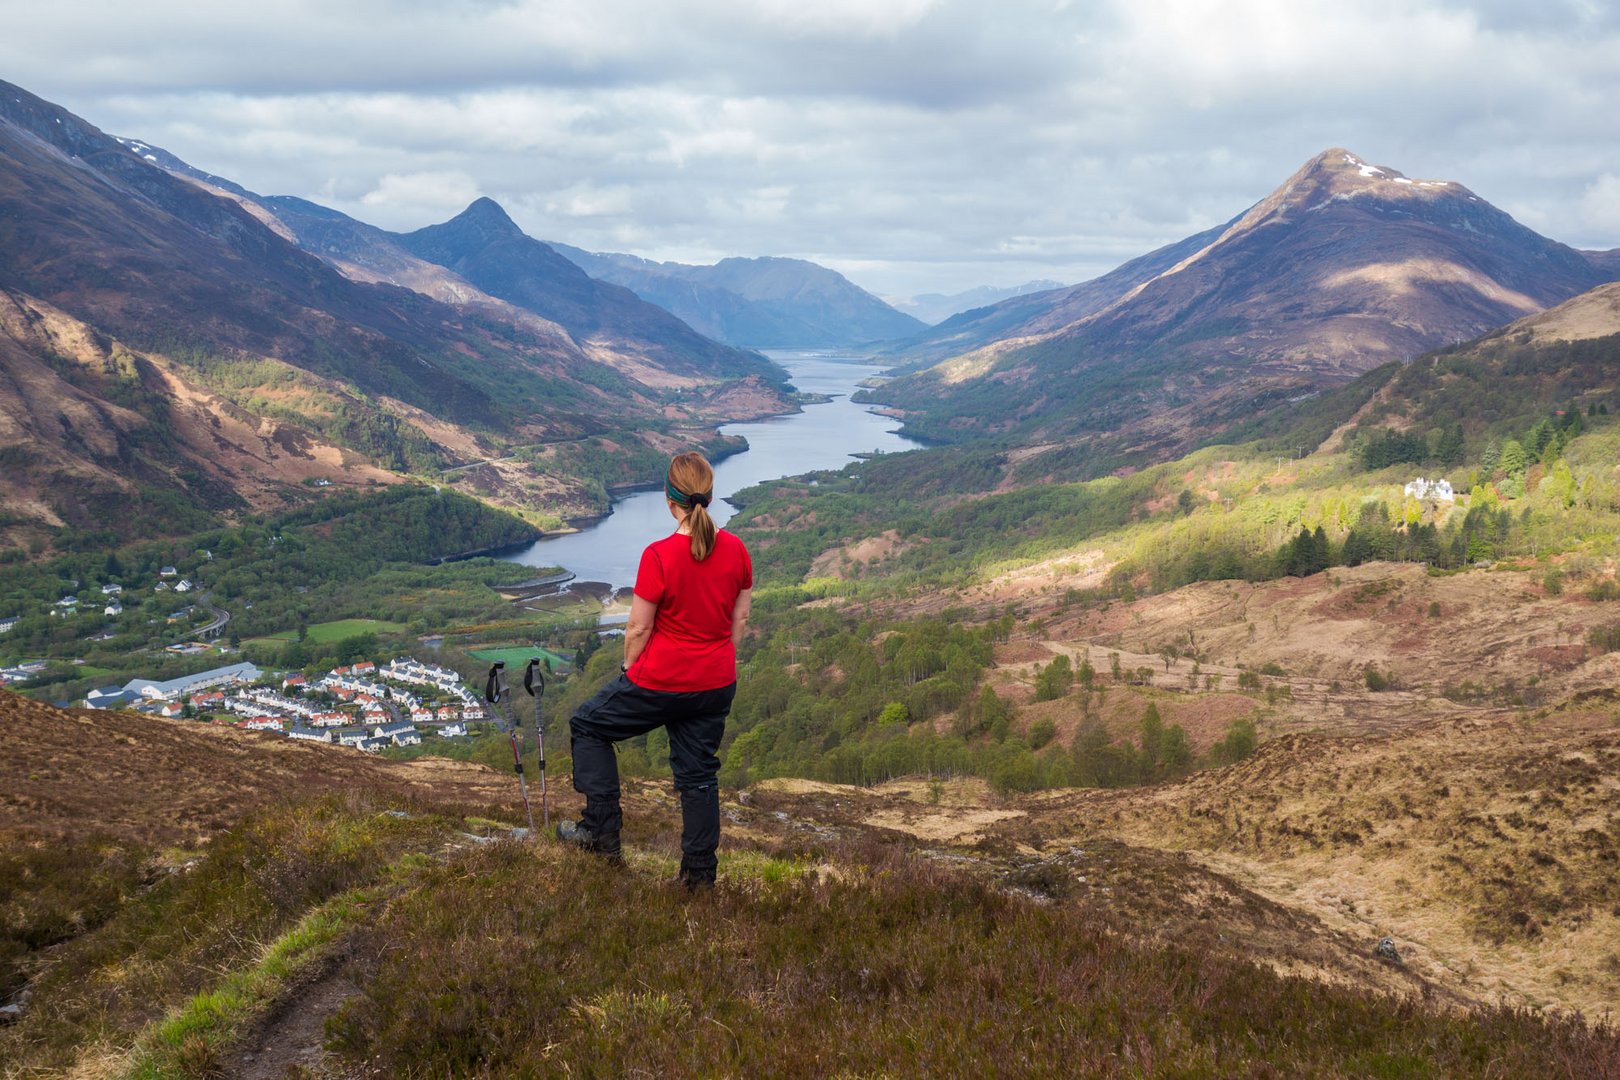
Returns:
<point x="757" y="303"/>
<point x="167" y="352"/>
<point x="1342" y="268"/>
<point x="933" y="308"/>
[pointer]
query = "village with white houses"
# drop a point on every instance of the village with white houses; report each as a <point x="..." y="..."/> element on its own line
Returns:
<point x="365" y="706"/>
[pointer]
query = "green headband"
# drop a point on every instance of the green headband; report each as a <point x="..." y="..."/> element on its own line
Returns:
<point x="680" y="498"/>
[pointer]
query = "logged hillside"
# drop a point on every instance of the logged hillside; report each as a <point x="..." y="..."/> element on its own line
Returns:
<point x="1344" y="267"/>
<point x="384" y="929"/>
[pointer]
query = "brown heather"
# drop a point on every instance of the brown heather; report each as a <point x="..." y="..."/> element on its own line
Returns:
<point x="375" y="932"/>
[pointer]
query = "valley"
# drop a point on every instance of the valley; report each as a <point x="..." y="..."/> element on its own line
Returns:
<point x="1222" y="682"/>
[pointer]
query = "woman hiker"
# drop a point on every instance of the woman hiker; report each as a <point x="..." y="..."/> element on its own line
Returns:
<point x="679" y="672"/>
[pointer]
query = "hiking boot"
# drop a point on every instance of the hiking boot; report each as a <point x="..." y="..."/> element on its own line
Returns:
<point x="603" y="844"/>
<point x="695" y="879"/>
<point x="695" y="883"/>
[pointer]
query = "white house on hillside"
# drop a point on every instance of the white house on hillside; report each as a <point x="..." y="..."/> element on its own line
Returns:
<point x="1439" y="490"/>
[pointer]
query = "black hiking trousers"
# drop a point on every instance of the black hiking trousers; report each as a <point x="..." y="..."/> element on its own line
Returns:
<point x="695" y="721"/>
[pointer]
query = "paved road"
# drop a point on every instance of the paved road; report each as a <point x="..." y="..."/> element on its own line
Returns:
<point x="221" y="617"/>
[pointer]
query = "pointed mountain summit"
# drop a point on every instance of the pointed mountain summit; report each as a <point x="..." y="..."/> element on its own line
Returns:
<point x="484" y="222"/>
<point x="484" y="246"/>
<point x="1345" y="266"/>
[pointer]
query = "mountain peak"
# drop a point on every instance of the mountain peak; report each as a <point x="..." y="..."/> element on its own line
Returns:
<point x="488" y="217"/>
<point x="1339" y="172"/>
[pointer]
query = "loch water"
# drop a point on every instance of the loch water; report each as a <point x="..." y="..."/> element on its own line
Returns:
<point x="823" y="436"/>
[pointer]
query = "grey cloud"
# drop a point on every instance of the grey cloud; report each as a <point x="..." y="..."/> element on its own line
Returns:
<point x="918" y="144"/>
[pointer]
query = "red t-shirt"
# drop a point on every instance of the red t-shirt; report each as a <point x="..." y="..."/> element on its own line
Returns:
<point x="690" y="647"/>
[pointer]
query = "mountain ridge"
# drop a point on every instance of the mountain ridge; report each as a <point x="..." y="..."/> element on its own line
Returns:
<point x="766" y="301"/>
<point x="1343" y="267"/>
<point x="216" y="366"/>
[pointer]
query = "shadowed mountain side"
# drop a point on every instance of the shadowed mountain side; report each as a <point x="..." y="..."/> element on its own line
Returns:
<point x="1607" y="261"/>
<point x="528" y="280"/>
<point x="759" y="302"/>
<point x="110" y="239"/>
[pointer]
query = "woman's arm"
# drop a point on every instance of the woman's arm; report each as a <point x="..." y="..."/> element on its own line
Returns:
<point x="639" y="628"/>
<point x="739" y="616"/>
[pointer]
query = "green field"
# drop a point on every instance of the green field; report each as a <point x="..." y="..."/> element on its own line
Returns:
<point x="517" y="656"/>
<point x="322" y="633"/>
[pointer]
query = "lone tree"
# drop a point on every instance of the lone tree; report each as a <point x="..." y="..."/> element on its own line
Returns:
<point x="1054" y="680"/>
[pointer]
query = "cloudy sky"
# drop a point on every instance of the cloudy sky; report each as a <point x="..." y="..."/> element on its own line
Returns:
<point x="915" y="145"/>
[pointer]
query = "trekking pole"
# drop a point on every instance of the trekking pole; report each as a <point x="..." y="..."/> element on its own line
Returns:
<point x="535" y="683"/>
<point x="496" y="691"/>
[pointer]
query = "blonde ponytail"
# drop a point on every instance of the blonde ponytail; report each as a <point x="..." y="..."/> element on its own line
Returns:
<point x="689" y="484"/>
<point x="702" y="531"/>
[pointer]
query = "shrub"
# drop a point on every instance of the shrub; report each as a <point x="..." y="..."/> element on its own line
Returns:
<point x="1604" y="638"/>
<point x="1238" y="743"/>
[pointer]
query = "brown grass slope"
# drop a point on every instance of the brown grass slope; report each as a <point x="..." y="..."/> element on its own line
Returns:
<point x="380" y="929"/>
<point x="1488" y="849"/>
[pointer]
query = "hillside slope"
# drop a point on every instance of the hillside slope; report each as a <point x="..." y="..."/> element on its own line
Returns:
<point x="211" y="366"/>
